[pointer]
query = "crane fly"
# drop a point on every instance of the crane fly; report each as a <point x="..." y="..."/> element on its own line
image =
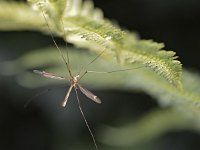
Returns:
<point x="74" y="83"/>
<point x="74" y="80"/>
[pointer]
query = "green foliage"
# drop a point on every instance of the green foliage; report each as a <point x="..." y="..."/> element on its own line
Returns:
<point x="147" y="128"/>
<point x="184" y="112"/>
<point x="85" y="27"/>
<point x="18" y="16"/>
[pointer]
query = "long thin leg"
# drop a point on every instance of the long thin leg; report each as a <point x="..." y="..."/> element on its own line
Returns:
<point x="36" y="95"/>
<point x="40" y="93"/>
<point x="79" y="105"/>
<point x="67" y="96"/>
<point x="101" y="53"/>
<point x="102" y="72"/>
<point x="65" y="37"/>
<point x="113" y="71"/>
<point x="96" y="57"/>
<point x="66" y="62"/>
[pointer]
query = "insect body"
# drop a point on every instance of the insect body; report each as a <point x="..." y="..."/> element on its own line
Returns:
<point x="74" y="83"/>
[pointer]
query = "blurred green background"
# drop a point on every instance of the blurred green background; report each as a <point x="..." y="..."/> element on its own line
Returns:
<point x="44" y="125"/>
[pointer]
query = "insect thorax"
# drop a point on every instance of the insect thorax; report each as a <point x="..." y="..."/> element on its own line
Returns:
<point x="74" y="80"/>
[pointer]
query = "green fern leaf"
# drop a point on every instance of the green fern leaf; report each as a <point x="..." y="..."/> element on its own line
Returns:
<point x="86" y="27"/>
<point x="186" y="100"/>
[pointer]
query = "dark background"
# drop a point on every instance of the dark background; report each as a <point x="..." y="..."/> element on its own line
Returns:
<point x="44" y="125"/>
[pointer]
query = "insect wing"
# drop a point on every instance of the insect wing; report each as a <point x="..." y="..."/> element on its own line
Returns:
<point x="48" y="75"/>
<point x="89" y="94"/>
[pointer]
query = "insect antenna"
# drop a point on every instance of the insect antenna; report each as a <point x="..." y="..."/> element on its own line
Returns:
<point x="85" y="120"/>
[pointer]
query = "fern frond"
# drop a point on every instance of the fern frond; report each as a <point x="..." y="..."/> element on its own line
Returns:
<point x="142" y="79"/>
<point x="86" y="28"/>
<point x="151" y="54"/>
<point x="184" y="112"/>
<point x="186" y="101"/>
